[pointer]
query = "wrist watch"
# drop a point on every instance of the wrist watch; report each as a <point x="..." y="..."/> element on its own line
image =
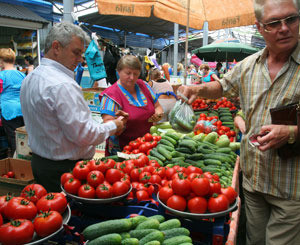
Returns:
<point x="292" y="137"/>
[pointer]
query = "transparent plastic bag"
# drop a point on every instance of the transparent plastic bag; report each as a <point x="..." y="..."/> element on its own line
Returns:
<point x="182" y="117"/>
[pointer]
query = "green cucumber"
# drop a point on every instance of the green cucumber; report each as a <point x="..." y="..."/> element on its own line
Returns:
<point x="177" y="154"/>
<point x="184" y="125"/>
<point x="176" y="232"/>
<point x="170" y="139"/>
<point x="159" y="217"/>
<point x="177" y="240"/>
<point x="195" y="156"/>
<point x="217" y="157"/>
<point x="198" y="163"/>
<point x="205" y="149"/>
<point x="173" y="135"/>
<point x="166" y="142"/>
<point x="153" y="243"/>
<point x="110" y="226"/>
<point x="108" y="239"/>
<point x="139" y="234"/>
<point x="167" y="147"/>
<point x="148" y="224"/>
<point x="124" y="235"/>
<point x="212" y="162"/>
<point x="137" y="220"/>
<point x="154" y="152"/>
<point x="169" y="224"/>
<point x="130" y="241"/>
<point x="184" y="150"/>
<point x="153" y="236"/>
<point x="163" y="151"/>
<point x="192" y="145"/>
<point x="156" y="159"/>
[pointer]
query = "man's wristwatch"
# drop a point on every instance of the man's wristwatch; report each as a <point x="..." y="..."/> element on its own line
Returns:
<point x="292" y="137"/>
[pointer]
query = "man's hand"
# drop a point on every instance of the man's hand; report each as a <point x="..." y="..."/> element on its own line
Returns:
<point x="191" y="92"/>
<point x="122" y="113"/>
<point x="240" y="124"/>
<point x="276" y="136"/>
<point x="156" y="117"/>
<point x="121" y="124"/>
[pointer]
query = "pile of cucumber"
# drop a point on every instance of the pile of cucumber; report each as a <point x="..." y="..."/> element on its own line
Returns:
<point x="209" y="152"/>
<point x="139" y="230"/>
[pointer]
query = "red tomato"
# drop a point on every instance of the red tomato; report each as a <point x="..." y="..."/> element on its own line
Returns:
<point x="192" y="169"/>
<point x="165" y="193"/>
<point x="154" y="163"/>
<point x="230" y="193"/>
<point x="81" y="171"/>
<point x="153" y="143"/>
<point x="202" y="115"/>
<point x="119" y="188"/>
<point x="10" y="174"/>
<point x="200" y="186"/>
<point x="148" y="137"/>
<point x="1" y="219"/>
<point x="181" y="186"/>
<point x="144" y="177"/>
<point x="218" y="203"/>
<point x="215" y="187"/>
<point x="192" y="176"/>
<point x="149" y="188"/>
<point x="47" y="223"/>
<point x="170" y="172"/>
<point x="110" y="163"/>
<point x="65" y="177"/>
<point x="15" y="232"/>
<point x="208" y="175"/>
<point x="126" y="179"/>
<point x="177" y="202"/>
<point x="142" y="161"/>
<point x="95" y="178"/>
<point x="155" y="179"/>
<point x="72" y="186"/>
<point x="33" y="192"/>
<point x="104" y="191"/>
<point x="142" y="195"/>
<point x="232" y="133"/>
<point x="86" y="191"/>
<point x="135" y="151"/>
<point x="127" y="148"/>
<point x="219" y="124"/>
<point x="134" y="144"/>
<point x="149" y="169"/>
<point x="161" y="171"/>
<point x="112" y="175"/>
<point x="135" y="173"/>
<point x="53" y="201"/>
<point x="145" y="147"/>
<point x="3" y="202"/>
<point x="20" y="208"/>
<point x="179" y="175"/>
<point x="226" y="129"/>
<point x="216" y="177"/>
<point x="197" y="205"/>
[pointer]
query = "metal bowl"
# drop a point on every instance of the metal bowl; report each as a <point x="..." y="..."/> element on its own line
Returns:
<point x="96" y="200"/>
<point x="189" y="215"/>
<point x="38" y="240"/>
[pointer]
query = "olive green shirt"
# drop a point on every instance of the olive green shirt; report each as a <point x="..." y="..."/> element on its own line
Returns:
<point x="264" y="171"/>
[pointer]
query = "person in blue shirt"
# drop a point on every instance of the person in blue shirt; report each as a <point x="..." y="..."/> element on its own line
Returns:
<point x="10" y="85"/>
<point x="207" y="74"/>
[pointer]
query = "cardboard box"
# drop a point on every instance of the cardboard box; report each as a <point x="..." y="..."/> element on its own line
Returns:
<point x="23" y="175"/>
<point x="91" y="95"/>
<point x="23" y="151"/>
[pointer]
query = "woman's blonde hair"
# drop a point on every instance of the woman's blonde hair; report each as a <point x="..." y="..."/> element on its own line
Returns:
<point x="129" y="61"/>
<point x="204" y="66"/>
<point x="7" y="55"/>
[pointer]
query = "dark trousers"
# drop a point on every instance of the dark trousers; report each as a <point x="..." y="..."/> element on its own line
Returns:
<point x="47" y="172"/>
<point x="10" y="127"/>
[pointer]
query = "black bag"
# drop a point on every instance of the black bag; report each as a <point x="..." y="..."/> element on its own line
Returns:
<point x="288" y="115"/>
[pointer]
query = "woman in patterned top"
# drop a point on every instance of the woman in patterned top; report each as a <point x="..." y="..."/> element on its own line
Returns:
<point x="133" y="96"/>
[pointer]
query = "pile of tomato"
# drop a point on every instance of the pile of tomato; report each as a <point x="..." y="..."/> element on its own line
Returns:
<point x="142" y="144"/>
<point x="199" y="104"/>
<point x="34" y="210"/>
<point x="224" y="103"/>
<point x="191" y="190"/>
<point x="9" y="174"/>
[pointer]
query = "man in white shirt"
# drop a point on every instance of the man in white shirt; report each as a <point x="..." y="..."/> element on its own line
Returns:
<point x="58" y="121"/>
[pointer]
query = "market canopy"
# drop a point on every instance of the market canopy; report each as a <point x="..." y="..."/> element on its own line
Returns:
<point x="219" y="14"/>
<point x="224" y="51"/>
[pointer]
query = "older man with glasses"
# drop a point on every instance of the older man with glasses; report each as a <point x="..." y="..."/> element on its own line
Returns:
<point x="267" y="79"/>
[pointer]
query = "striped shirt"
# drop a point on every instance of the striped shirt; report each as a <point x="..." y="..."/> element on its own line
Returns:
<point x="110" y="107"/>
<point x="264" y="171"/>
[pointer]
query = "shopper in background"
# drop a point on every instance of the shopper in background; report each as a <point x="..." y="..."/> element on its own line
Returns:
<point x="58" y="121"/>
<point x="29" y="64"/>
<point x="164" y="92"/>
<point x="207" y="74"/>
<point x="265" y="80"/>
<point x="10" y="85"/>
<point x="133" y="96"/>
<point x="180" y="69"/>
<point x="218" y="70"/>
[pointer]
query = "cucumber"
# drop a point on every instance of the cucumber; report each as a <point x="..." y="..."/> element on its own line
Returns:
<point x="167" y="147"/>
<point x="177" y="240"/>
<point x="192" y="145"/>
<point x="177" y="154"/>
<point x="185" y="125"/>
<point x="110" y="226"/>
<point x="153" y="236"/>
<point x="170" y="139"/>
<point x="108" y="239"/>
<point x="148" y="224"/>
<point x="154" y="152"/>
<point x="217" y="157"/>
<point x="212" y="162"/>
<point x="139" y="234"/>
<point x="159" y="217"/>
<point x="153" y="243"/>
<point x="169" y="224"/>
<point x="130" y="241"/>
<point x="156" y="159"/>
<point x="184" y="150"/>
<point x="137" y="220"/>
<point x="205" y="149"/>
<point x="163" y="151"/>
<point x="124" y="235"/>
<point x="195" y="156"/>
<point x="173" y="135"/>
<point x="176" y="232"/>
<point x="198" y="163"/>
<point x="166" y="142"/>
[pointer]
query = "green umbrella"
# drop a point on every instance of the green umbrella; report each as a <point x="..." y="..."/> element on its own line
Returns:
<point x="224" y="51"/>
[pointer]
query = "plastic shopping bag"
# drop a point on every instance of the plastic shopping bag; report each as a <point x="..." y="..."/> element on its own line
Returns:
<point x="94" y="61"/>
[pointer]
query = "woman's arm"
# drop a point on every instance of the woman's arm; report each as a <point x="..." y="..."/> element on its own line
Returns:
<point x="215" y="77"/>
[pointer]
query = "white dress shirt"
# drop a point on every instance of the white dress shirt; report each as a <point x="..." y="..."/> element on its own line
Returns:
<point x="57" y="118"/>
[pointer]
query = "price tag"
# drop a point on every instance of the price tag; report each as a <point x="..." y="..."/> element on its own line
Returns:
<point x="128" y="156"/>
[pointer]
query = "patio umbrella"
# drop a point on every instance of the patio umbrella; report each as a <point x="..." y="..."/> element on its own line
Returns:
<point x="224" y="51"/>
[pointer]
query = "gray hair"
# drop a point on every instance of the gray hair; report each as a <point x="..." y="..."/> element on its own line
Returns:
<point x="63" y="33"/>
<point x="259" y="6"/>
<point x="129" y="61"/>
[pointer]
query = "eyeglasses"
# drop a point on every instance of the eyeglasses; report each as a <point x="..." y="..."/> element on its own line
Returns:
<point x="277" y="24"/>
